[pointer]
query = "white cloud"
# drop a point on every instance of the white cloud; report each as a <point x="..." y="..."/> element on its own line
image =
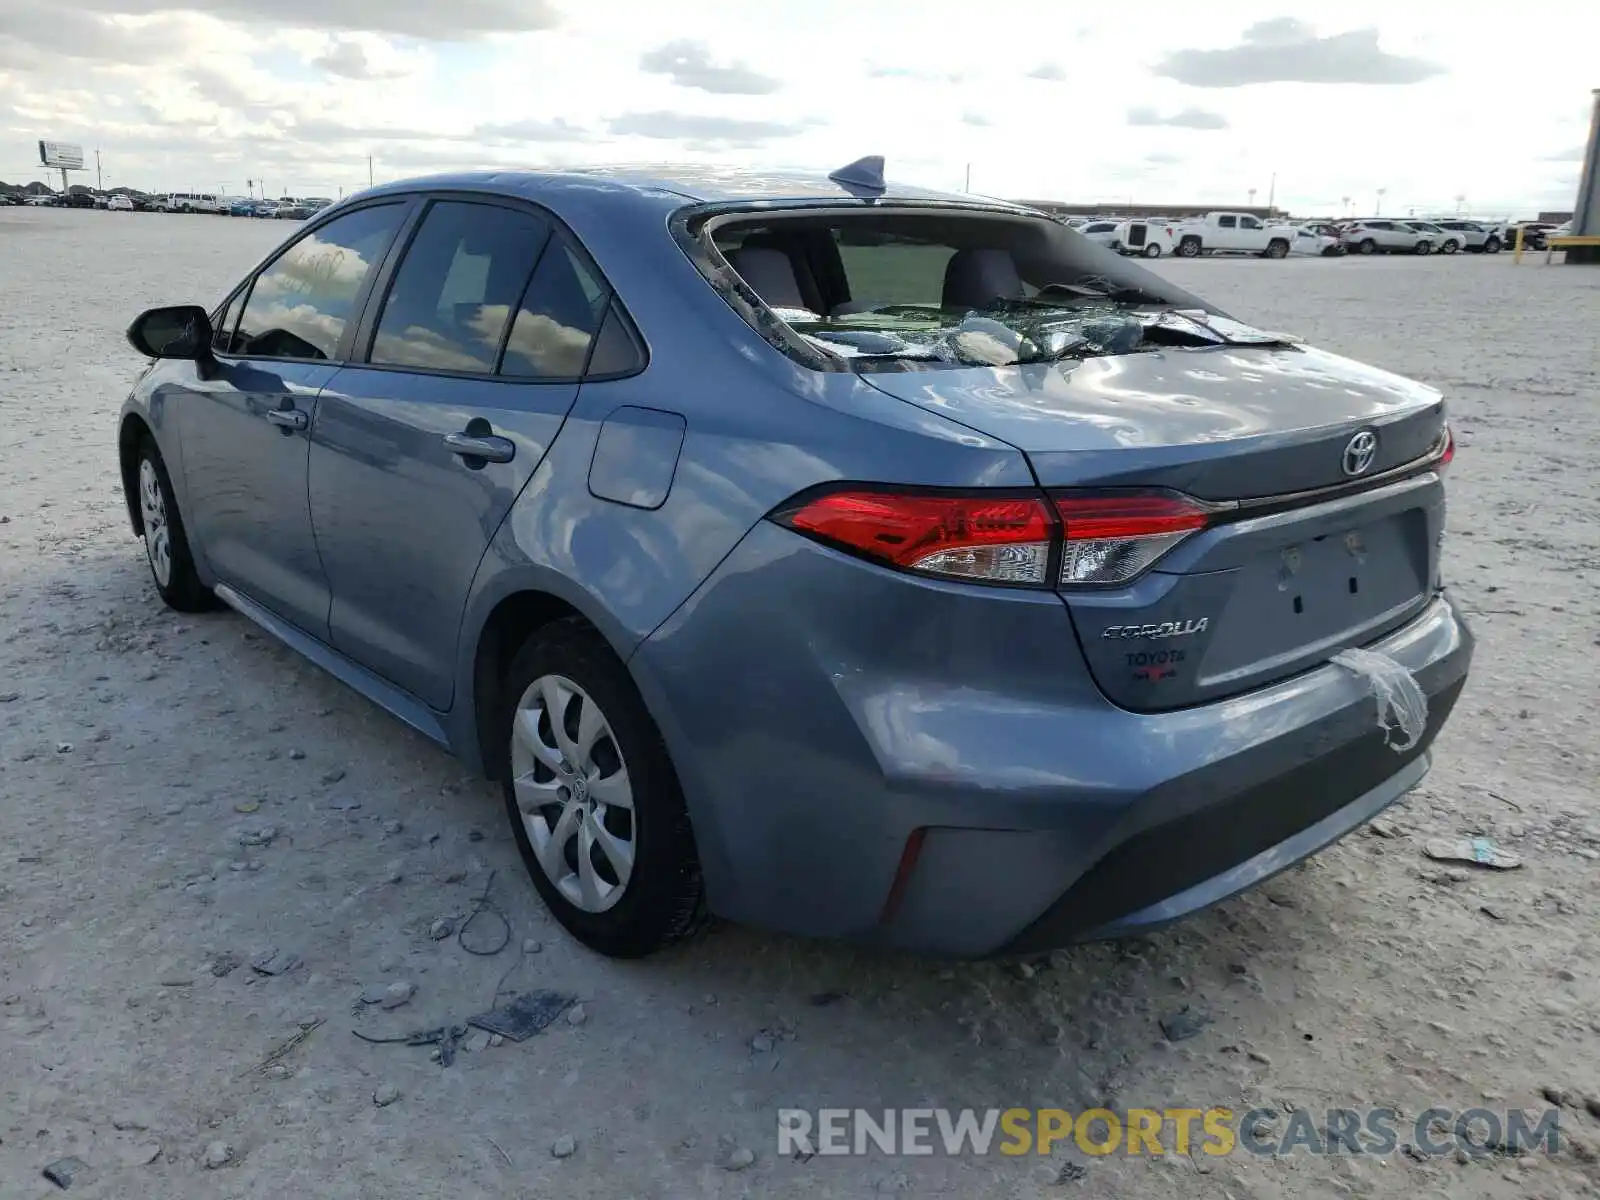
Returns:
<point x="1171" y="102"/>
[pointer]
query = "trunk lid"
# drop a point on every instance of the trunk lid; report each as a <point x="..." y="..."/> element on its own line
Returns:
<point x="1272" y="588"/>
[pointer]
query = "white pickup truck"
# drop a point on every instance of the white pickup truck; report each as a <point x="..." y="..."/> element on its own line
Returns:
<point x="1233" y="233"/>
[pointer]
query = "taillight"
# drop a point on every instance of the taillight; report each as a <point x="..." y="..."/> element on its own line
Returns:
<point x="1112" y="538"/>
<point x="1448" y="454"/>
<point x="988" y="538"/>
<point x="1104" y="538"/>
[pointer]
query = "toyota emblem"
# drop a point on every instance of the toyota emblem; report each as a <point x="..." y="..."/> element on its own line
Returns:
<point x="1359" y="452"/>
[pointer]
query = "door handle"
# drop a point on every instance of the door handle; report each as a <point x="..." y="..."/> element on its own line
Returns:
<point x="489" y="448"/>
<point x="289" y="418"/>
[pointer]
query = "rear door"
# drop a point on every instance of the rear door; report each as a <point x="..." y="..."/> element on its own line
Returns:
<point x="476" y="352"/>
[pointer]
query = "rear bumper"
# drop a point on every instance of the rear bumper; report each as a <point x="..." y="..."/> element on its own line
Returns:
<point x="813" y="743"/>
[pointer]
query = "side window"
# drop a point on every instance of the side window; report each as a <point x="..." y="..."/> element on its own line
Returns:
<point x="300" y="304"/>
<point x="615" y="351"/>
<point x="1249" y="223"/>
<point x="222" y="325"/>
<point x="557" y="319"/>
<point x="457" y="286"/>
<point x="1227" y="222"/>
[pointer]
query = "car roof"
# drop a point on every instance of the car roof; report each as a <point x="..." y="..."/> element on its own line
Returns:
<point x="691" y="184"/>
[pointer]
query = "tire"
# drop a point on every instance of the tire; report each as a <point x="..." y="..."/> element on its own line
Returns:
<point x="186" y="209"/>
<point x="1491" y="245"/>
<point x="1449" y="247"/>
<point x="1422" y="248"/>
<point x="166" y="543"/>
<point x="1189" y="247"/>
<point x="1151" y="250"/>
<point x="659" y="897"/>
<point x="1367" y="246"/>
<point x="1277" y="248"/>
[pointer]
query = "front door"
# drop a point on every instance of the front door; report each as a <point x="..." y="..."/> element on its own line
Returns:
<point x="417" y="456"/>
<point x="244" y="424"/>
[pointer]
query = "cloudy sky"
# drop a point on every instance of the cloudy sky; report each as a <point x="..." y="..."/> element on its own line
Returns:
<point x="1158" y="101"/>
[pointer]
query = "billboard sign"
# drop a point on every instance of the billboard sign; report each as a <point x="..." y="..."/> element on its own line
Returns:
<point x="61" y="154"/>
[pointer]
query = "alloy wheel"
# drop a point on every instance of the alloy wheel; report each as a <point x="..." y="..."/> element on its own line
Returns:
<point x="153" y="513"/>
<point x="573" y="791"/>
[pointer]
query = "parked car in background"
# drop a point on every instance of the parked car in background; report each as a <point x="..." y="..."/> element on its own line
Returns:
<point x="531" y="460"/>
<point x="7" y="200"/>
<point x="1533" y="233"/>
<point x="1440" y="241"/>
<point x="1101" y="231"/>
<point x="119" y="203"/>
<point x="1383" y="235"/>
<point x="1147" y="239"/>
<point x="190" y="202"/>
<point x="1310" y="241"/>
<point x="77" y="200"/>
<point x="1475" y="235"/>
<point x="293" y="210"/>
<point x="244" y="207"/>
<point x="317" y="203"/>
<point x="1233" y="233"/>
<point x="44" y="200"/>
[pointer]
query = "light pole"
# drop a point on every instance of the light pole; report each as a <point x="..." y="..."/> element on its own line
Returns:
<point x="1344" y="202"/>
<point x="1460" y="200"/>
<point x="1377" y="210"/>
<point x="1252" y="197"/>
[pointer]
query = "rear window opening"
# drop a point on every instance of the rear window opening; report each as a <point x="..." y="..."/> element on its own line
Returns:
<point x="904" y="289"/>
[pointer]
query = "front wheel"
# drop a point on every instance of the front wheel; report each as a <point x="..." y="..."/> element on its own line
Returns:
<point x="1367" y="246"/>
<point x="166" y="544"/>
<point x="1491" y="246"/>
<point x="594" y="803"/>
<point x="1189" y="248"/>
<point x="1449" y="247"/>
<point x="1151" y="250"/>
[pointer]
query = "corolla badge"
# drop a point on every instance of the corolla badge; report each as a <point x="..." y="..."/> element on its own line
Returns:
<point x="1166" y="629"/>
<point x="1359" y="452"/>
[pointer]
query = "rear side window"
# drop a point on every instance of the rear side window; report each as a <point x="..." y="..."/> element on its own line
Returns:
<point x="457" y="287"/>
<point x="557" y="319"/>
<point x="1226" y="222"/>
<point x="299" y="306"/>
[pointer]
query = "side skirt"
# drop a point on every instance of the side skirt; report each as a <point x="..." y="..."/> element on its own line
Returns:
<point x="385" y="695"/>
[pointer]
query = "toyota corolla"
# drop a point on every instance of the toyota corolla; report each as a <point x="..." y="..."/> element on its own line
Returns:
<point x="824" y="554"/>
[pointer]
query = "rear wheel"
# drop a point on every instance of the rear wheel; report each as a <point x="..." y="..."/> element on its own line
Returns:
<point x="1277" y="248"/>
<point x="1189" y="247"/>
<point x="1450" y="247"/>
<point x="1367" y="246"/>
<point x="166" y="544"/>
<point x="1152" y="250"/>
<point x="594" y="803"/>
<point x="1422" y="248"/>
<point x="1491" y="245"/>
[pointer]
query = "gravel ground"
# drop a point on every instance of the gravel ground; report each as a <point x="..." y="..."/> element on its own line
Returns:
<point x="142" y="753"/>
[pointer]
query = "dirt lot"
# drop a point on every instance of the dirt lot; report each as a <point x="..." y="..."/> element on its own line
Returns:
<point x="138" y="747"/>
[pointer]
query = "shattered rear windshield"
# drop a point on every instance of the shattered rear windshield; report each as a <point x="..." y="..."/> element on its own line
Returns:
<point x="875" y="289"/>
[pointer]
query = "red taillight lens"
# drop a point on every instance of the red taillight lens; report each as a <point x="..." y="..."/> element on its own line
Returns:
<point x="1106" y="538"/>
<point x="1111" y="539"/>
<point x="990" y="539"/>
<point x="1448" y="454"/>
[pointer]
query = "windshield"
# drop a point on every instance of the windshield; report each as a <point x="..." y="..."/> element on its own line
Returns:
<point x="916" y="290"/>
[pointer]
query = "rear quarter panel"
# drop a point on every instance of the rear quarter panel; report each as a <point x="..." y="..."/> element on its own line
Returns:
<point x="758" y="428"/>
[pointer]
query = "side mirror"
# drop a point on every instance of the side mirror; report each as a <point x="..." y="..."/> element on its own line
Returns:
<point x="181" y="331"/>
